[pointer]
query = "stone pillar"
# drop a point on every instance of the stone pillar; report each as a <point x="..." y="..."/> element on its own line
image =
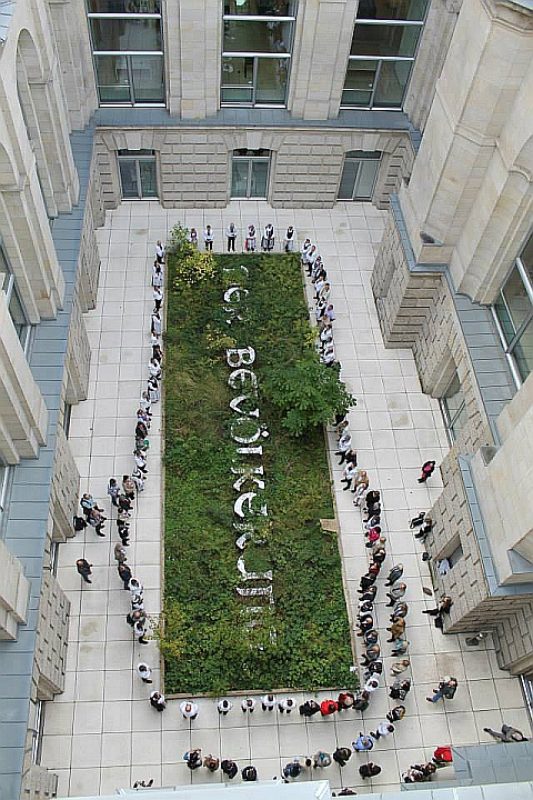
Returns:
<point x="489" y="55"/>
<point x="194" y="36"/>
<point x="322" y="42"/>
<point x="438" y="31"/>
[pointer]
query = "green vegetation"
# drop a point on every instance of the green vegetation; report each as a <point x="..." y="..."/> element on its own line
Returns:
<point x="205" y="642"/>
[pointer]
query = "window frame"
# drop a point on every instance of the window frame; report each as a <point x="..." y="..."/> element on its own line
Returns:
<point x="10" y="289"/>
<point x="137" y="157"/>
<point x="249" y="159"/>
<point x="255" y="55"/>
<point x="380" y="59"/>
<point x="510" y="346"/>
<point x="359" y="159"/>
<point x="128" y="57"/>
<point x="450" y="419"/>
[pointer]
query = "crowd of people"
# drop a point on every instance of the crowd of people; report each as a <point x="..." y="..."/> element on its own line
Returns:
<point x="367" y="500"/>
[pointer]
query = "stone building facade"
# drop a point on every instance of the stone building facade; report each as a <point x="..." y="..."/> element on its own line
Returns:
<point x="425" y="109"/>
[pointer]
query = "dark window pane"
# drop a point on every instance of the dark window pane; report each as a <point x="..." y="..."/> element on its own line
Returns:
<point x="523" y="352"/>
<point x="349" y="176"/>
<point x="128" y="179"/>
<point x="526" y="257"/>
<point x="239" y="177"/>
<point x="124" y="6"/>
<point x="147" y="172"/>
<point x="366" y="179"/>
<point x="517" y="299"/>
<point x="251" y="36"/>
<point x="259" y="179"/>
<point x="4" y="270"/>
<point x="392" y="9"/>
<point x="385" y="40"/>
<point x="147" y="75"/>
<point x="112" y="78"/>
<point x="393" y="78"/>
<point x="237" y="79"/>
<point x="17" y="314"/>
<point x="272" y="74"/>
<point x="364" y="155"/>
<point x="261" y="8"/>
<point x="359" y="83"/>
<point x="125" y="34"/>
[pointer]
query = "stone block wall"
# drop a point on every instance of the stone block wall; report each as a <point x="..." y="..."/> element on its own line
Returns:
<point x="65" y="489"/>
<point x="52" y="637"/>
<point x="194" y="164"/>
<point x="38" y="783"/>
<point x="78" y="359"/>
<point x="14" y="594"/>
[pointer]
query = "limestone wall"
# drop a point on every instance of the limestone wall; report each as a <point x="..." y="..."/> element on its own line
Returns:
<point x="194" y="165"/>
<point x="14" y="594"/>
<point x="52" y="637"/>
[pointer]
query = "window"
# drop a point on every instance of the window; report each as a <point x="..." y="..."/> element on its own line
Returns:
<point x="513" y="312"/>
<point x="5" y="478"/>
<point x="359" y="175"/>
<point x="256" y="52"/>
<point x="453" y="408"/>
<point x="67" y="416"/>
<point x="127" y="43"/>
<point x="15" y="308"/>
<point x="37" y="732"/>
<point x="138" y="175"/>
<point x="249" y="173"/>
<point x="384" y="43"/>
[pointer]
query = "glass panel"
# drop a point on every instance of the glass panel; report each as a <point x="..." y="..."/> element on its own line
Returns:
<point x="17" y="315"/>
<point x="366" y="179"/>
<point x="112" y="78"/>
<point x="259" y="179"/>
<point x="261" y="8"/>
<point x="147" y="171"/>
<point x="239" y="177"/>
<point x="4" y="270"/>
<point x="349" y="175"/>
<point x="523" y="352"/>
<point x="527" y="257"/>
<point x="359" y="83"/>
<point x="252" y="36"/>
<point x="125" y="34"/>
<point x="385" y="40"/>
<point x="237" y="80"/>
<point x="124" y="6"/>
<point x="390" y="89"/>
<point x="365" y="155"/>
<point x="272" y="74"/>
<point x="136" y="153"/>
<point x="147" y="76"/>
<point x="392" y="9"/>
<point x="518" y="303"/>
<point x="453" y="397"/>
<point x="128" y="178"/>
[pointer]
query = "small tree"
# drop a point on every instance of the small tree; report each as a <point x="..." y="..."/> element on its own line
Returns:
<point x="308" y="393"/>
<point x="191" y="266"/>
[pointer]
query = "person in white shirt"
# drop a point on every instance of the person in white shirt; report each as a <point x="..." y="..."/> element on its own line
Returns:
<point x="157" y="275"/>
<point x="156" y="324"/>
<point x="288" y="241"/>
<point x="303" y="250"/>
<point x="310" y="257"/>
<point x="267" y="240"/>
<point x="189" y="709"/>
<point x="382" y="730"/>
<point x="223" y="706"/>
<point x="135" y="586"/>
<point x="286" y="705"/>
<point x="157" y="701"/>
<point x="137" y="602"/>
<point x="268" y="702"/>
<point x="144" y="672"/>
<point x="371" y="685"/>
<point x="160" y="251"/>
<point x="348" y="474"/>
<point x="231" y="234"/>
<point x="158" y="298"/>
<point x="209" y="238"/>
<point x="248" y="704"/>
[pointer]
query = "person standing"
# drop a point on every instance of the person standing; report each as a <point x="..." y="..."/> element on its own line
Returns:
<point x="84" y="569"/>
<point x="124" y="573"/>
<point x="321" y="759"/>
<point x="345" y="701"/>
<point x="157" y="701"/>
<point x="144" y="672"/>
<point x="396" y="714"/>
<point x="446" y="689"/>
<point x="267" y="240"/>
<point x="251" y="240"/>
<point x="231" y="234"/>
<point x="158" y="298"/>
<point x="248" y="704"/>
<point x="209" y="238"/>
<point x="508" y="734"/>
<point x="288" y="241"/>
<point x="249" y="774"/>
<point x="286" y="705"/>
<point x="342" y="755"/>
<point x="369" y="770"/>
<point x="229" y="768"/>
<point x="120" y="554"/>
<point x="160" y="252"/>
<point x="382" y="730"/>
<point x="268" y="702"/>
<point x="211" y="763"/>
<point x="113" y="491"/>
<point x="309" y="708"/>
<point x="193" y="758"/>
<point x="363" y="743"/>
<point x="189" y="710"/>
<point x="223" y="706"/>
<point x="396" y="593"/>
<point x="328" y="707"/>
<point x="193" y="238"/>
<point x="427" y="471"/>
<point x="395" y="574"/>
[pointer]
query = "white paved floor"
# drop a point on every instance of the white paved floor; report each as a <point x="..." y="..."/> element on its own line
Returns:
<point x="101" y="734"/>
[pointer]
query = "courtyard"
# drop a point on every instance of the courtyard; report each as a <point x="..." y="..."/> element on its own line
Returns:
<point x="101" y="733"/>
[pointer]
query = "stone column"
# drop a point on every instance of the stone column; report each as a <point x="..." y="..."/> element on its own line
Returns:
<point x="322" y="42"/>
<point x="489" y="56"/>
<point x="194" y="41"/>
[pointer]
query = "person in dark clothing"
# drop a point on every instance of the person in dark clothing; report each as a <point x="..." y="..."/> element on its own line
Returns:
<point x="345" y="701"/>
<point x="292" y="769"/>
<point x="193" y="759"/>
<point x="84" y="569"/>
<point x="249" y="773"/>
<point x="369" y="770"/>
<point x="396" y="714"/>
<point x="342" y="755"/>
<point x="444" y="607"/>
<point x="362" y="701"/>
<point x="125" y="574"/>
<point x="369" y="594"/>
<point x="508" y="734"/>
<point x="394" y="575"/>
<point x="367" y="581"/>
<point x="309" y="708"/>
<point x="229" y="768"/>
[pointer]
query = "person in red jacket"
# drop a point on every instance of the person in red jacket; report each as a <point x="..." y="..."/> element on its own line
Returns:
<point x="328" y="707"/>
